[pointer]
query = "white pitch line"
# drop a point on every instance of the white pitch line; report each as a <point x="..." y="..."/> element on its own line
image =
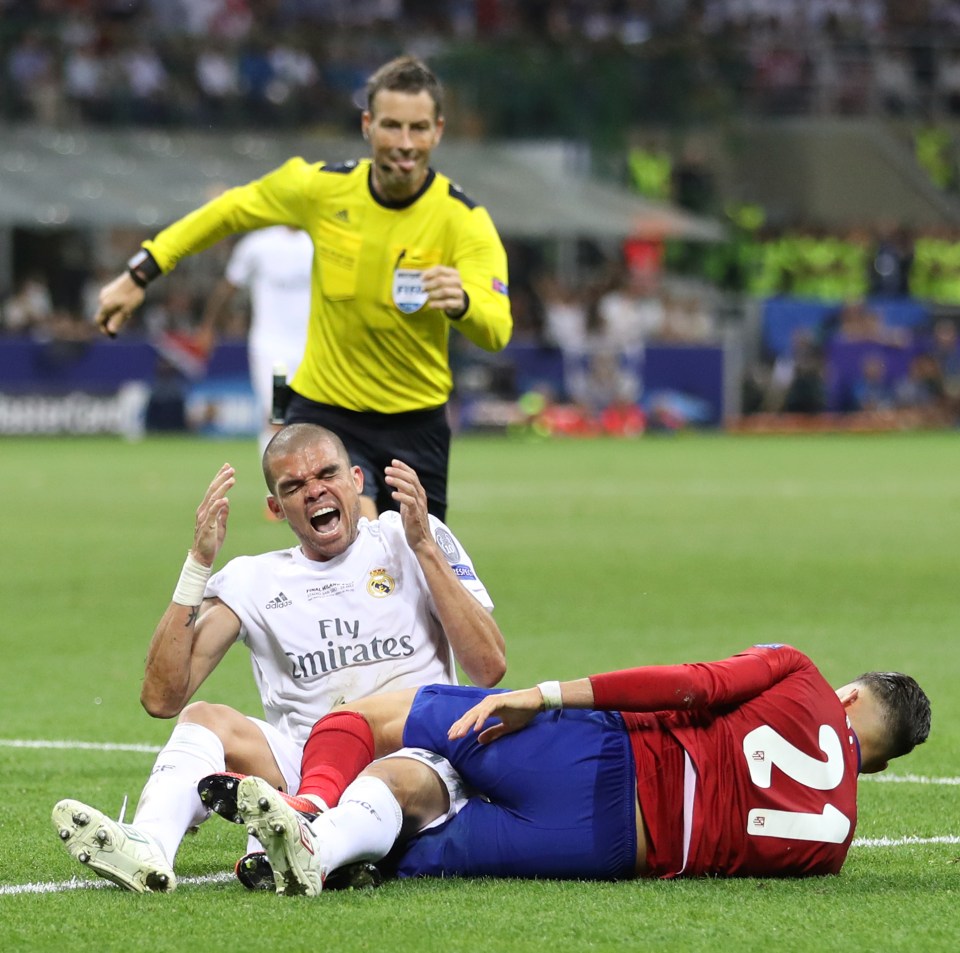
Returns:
<point x="78" y="745"/>
<point x="908" y="779"/>
<point x="153" y="749"/>
<point x="77" y="883"/>
<point x="904" y="841"/>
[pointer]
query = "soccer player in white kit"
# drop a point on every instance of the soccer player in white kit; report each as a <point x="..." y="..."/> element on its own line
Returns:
<point x="357" y="608"/>
<point x="273" y="265"/>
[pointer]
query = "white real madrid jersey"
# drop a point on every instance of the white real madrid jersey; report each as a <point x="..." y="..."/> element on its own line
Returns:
<point x="324" y="632"/>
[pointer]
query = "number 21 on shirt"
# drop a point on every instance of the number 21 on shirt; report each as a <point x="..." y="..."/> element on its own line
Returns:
<point x="763" y="748"/>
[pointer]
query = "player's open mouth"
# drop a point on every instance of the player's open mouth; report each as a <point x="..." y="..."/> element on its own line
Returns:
<point x="325" y="520"/>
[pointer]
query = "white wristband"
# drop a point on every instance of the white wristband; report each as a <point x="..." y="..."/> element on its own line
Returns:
<point x="552" y="699"/>
<point x="192" y="583"/>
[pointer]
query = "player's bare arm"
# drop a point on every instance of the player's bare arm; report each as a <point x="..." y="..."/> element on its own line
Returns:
<point x="192" y="635"/>
<point x="117" y="302"/>
<point x="444" y="288"/>
<point x="473" y="634"/>
<point x="515" y="710"/>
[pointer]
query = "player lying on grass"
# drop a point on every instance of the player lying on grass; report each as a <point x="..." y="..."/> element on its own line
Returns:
<point x="742" y="767"/>
<point x="357" y="607"/>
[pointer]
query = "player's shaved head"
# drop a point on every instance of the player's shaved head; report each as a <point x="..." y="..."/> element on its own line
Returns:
<point x="295" y="437"/>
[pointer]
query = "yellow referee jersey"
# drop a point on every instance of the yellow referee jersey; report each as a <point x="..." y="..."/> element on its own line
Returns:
<point x="371" y="344"/>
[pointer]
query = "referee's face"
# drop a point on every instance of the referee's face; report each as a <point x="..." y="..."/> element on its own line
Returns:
<point x="403" y="129"/>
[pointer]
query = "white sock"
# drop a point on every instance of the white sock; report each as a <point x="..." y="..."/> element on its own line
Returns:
<point x="169" y="804"/>
<point x="363" y="826"/>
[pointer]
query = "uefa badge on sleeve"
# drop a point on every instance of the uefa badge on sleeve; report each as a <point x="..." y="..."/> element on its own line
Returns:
<point x="408" y="293"/>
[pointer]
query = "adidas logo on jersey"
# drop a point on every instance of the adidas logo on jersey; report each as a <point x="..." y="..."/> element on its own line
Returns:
<point x="278" y="602"/>
<point x="342" y="216"/>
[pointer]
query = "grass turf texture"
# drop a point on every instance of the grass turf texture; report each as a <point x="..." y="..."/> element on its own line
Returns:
<point x="599" y="554"/>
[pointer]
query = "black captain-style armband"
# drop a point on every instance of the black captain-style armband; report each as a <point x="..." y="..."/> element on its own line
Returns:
<point x="143" y="268"/>
<point x="462" y="311"/>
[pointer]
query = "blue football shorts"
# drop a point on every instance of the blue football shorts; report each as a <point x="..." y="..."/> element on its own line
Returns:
<point x="556" y="799"/>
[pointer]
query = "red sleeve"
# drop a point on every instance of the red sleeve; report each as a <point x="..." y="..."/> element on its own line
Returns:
<point x="696" y="685"/>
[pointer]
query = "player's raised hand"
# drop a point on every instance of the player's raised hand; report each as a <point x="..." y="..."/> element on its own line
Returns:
<point x="117" y="301"/>
<point x="410" y="494"/>
<point x="211" y="526"/>
<point x="514" y="709"/>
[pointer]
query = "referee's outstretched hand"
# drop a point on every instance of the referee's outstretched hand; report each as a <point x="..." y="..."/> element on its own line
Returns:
<point x="118" y="300"/>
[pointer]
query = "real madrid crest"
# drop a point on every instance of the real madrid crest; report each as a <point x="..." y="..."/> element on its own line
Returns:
<point x="380" y="584"/>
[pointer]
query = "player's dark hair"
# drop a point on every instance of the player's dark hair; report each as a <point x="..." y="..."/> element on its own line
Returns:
<point x="405" y="74"/>
<point x="905" y="706"/>
<point x="292" y="438"/>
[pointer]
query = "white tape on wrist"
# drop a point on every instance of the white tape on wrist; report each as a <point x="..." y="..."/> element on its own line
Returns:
<point x="552" y="698"/>
<point x="192" y="583"/>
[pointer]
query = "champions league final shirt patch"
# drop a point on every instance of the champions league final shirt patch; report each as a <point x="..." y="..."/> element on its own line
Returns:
<point x="328" y="589"/>
<point x="447" y="545"/>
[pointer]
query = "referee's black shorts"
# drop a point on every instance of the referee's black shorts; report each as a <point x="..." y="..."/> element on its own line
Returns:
<point x="420" y="438"/>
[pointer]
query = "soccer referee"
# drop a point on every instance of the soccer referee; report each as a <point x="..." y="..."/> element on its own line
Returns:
<point x="400" y="255"/>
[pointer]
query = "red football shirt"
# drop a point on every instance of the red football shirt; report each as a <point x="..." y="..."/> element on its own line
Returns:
<point x="774" y="759"/>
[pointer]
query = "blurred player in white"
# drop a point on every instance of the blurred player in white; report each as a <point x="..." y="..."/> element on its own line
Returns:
<point x="273" y="265"/>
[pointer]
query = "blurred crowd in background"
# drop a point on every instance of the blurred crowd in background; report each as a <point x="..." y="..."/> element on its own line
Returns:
<point x="289" y="62"/>
<point x="301" y="64"/>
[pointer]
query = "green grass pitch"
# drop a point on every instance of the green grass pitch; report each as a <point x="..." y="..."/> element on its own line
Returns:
<point x="599" y="554"/>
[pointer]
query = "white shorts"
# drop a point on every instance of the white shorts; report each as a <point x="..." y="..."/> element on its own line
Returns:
<point x="287" y="753"/>
<point x="458" y="793"/>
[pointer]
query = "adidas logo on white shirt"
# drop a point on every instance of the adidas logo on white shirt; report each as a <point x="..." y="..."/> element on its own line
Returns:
<point x="278" y="602"/>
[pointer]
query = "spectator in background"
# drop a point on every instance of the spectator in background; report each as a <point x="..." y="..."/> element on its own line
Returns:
<point x="146" y="85"/>
<point x="29" y="308"/>
<point x="686" y="319"/>
<point x="632" y="311"/>
<point x="564" y="314"/>
<point x="86" y="81"/>
<point x="894" y="82"/>
<point x="651" y="171"/>
<point x="217" y="76"/>
<point x="872" y="391"/>
<point x="945" y="351"/>
<point x="602" y="379"/>
<point x="796" y="384"/>
<point x="857" y="321"/>
<point x="295" y="80"/>
<point x="891" y="262"/>
<point x="921" y="390"/>
<point x="34" y="81"/>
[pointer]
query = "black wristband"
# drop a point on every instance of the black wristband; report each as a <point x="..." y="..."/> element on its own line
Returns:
<point x="462" y="311"/>
<point x="143" y="268"/>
